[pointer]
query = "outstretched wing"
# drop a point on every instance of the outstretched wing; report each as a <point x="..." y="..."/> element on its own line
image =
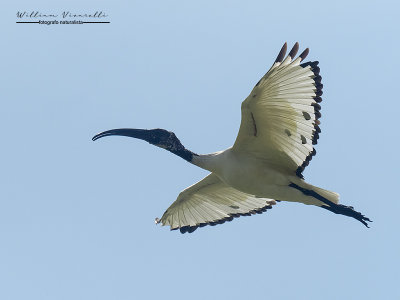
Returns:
<point x="280" y="116"/>
<point x="211" y="202"/>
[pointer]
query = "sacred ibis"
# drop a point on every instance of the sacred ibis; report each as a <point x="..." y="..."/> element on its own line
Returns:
<point x="276" y="139"/>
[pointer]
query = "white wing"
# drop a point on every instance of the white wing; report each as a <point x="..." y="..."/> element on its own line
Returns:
<point x="280" y="116"/>
<point x="211" y="202"/>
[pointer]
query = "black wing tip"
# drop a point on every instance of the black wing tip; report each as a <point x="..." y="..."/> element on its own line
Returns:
<point x="317" y="79"/>
<point x="306" y="162"/>
<point x="293" y="53"/>
<point x="304" y="54"/>
<point x="317" y="107"/>
<point x="190" y="229"/>
<point x="299" y="172"/>
<point x="312" y="64"/>
<point x="318" y="99"/>
<point x="294" y="50"/>
<point x="281" y="54"/>
<point x="317" y="129"/>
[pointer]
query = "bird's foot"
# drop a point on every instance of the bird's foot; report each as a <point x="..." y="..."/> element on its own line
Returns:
<point x="348" y="211"/>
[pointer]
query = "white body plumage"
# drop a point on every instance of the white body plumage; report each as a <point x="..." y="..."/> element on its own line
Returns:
<point x="256" y="176"/>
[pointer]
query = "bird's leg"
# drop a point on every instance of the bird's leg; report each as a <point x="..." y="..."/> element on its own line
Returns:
<point x="347" y="211"/>
<point x="333" y="207"/>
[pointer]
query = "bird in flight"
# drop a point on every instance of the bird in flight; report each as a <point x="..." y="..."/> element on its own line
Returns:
<point x="278" y="131"/>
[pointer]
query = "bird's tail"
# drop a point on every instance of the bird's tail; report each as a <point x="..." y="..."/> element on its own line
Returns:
<point x="315" y="192"/>
<point x="331" y="196"/>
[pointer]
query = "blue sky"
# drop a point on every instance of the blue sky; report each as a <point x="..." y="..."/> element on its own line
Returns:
<point x="77" y="217"/>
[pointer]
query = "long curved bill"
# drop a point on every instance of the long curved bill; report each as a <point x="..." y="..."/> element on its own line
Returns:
<point x="142" y="134"/>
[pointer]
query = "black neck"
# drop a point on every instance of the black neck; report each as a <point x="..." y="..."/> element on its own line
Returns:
<point x="184" y="153"/>
<point x="158" y="137"/>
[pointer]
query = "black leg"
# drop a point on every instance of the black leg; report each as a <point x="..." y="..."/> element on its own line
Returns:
<point x="348" y="211"/>
<point x="333" y="207"/>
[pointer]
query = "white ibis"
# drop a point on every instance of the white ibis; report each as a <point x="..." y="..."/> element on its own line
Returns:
<point x="276" y="139"/>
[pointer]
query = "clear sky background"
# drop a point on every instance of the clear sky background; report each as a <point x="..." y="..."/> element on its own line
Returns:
<point x="77" y="217"/>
